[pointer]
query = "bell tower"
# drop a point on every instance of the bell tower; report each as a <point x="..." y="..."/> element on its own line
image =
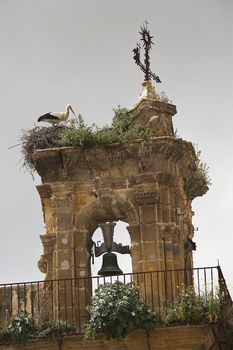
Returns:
<point x="141" y="183"/>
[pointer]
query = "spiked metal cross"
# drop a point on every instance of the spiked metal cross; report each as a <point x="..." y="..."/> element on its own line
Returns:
<point x="146" y="38"/>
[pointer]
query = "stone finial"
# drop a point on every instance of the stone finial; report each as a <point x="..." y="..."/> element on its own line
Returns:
<point x="148" y="91"/>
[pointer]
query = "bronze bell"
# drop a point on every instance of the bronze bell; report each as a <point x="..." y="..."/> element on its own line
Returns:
<point x="110" y="266"/>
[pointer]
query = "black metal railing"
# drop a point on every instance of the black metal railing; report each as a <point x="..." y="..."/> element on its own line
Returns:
<point x="67" y="299"/>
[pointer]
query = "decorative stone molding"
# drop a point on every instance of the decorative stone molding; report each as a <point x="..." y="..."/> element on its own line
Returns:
<point x="45" y="261"/>
<point x="159" y="126"/>
<point x="42" y="264"/>
<point x="115" y="159"/>
<point x="154" y="106"/>
<point x="64" y="201"/>
<point x="48" y="242"/>
<point x="168" y="231"/>
<point x="45" y="265"/>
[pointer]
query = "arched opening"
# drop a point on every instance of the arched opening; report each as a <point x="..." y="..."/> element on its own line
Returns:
<point x="121" y="235"/>
<point x="108" y="208"/>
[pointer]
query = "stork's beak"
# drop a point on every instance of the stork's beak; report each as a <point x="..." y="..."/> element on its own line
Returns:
<point x="72" y="110"/>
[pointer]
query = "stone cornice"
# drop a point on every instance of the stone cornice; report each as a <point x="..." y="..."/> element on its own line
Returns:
<point x="155" y="105"/>
<point x="44" y="190"/>
<point x="58" y="164"/>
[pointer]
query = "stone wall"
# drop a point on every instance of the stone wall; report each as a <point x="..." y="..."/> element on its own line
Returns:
<point x="174" y="338"/>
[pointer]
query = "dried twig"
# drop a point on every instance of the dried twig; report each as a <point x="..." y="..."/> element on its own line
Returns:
<point x="38" y="138"/>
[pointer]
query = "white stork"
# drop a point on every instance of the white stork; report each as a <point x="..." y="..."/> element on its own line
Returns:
<point x="56" y="117"/>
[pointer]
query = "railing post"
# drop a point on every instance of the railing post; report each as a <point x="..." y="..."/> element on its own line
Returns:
<point x="225" y="298"/>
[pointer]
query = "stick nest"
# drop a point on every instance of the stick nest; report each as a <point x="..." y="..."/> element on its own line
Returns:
<point x="38" y="138"/>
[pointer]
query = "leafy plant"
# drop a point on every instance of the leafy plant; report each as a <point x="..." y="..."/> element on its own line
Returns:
<point x="56" y="328"/>
<point x="21" y="327"/>
<point x="116" y="310"/>
<point x="213" y="309"/>
<point x="78" y="134"/>
<point x="121" y="121"/>
<point x="125" y="128"/>
<point x="202" y="171"/>
<point x="3" y="322"/>
<point x="198" y="182"/>
<point x="191" y="308"/>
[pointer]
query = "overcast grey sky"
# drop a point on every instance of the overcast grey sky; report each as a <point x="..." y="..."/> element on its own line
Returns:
<point x="54" y="52"/>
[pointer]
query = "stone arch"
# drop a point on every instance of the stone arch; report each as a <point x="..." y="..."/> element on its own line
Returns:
<point x="106" y="208"/>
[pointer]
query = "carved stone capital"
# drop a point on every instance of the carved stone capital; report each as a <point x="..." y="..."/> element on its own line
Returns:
<point x="170" y="232"/>
<point x="63" y="201"/>
<point x="146" y="193"/>
<point x="48" y="242"/>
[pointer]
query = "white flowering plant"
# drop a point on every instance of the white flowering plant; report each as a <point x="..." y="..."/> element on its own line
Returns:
<point x="116" y="310"/>
<point x="192" y="308"/>
<point x="21" y="327"/>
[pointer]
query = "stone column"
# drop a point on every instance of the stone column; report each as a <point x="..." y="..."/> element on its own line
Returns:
<point x="83" y="282"/>
<point x="136" y="253"/>
<point x="168" y="232"/>
<point x="146" y="199"/>
<point x="63" y="215"/>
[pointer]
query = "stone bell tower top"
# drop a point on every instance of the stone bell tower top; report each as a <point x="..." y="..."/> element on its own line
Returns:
<point x="153" y="113"/>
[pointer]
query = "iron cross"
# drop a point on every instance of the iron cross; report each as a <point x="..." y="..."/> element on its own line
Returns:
<point x="146" y="39"/>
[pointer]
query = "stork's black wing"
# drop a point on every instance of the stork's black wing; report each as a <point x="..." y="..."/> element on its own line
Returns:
<point x="47" y="117"/>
